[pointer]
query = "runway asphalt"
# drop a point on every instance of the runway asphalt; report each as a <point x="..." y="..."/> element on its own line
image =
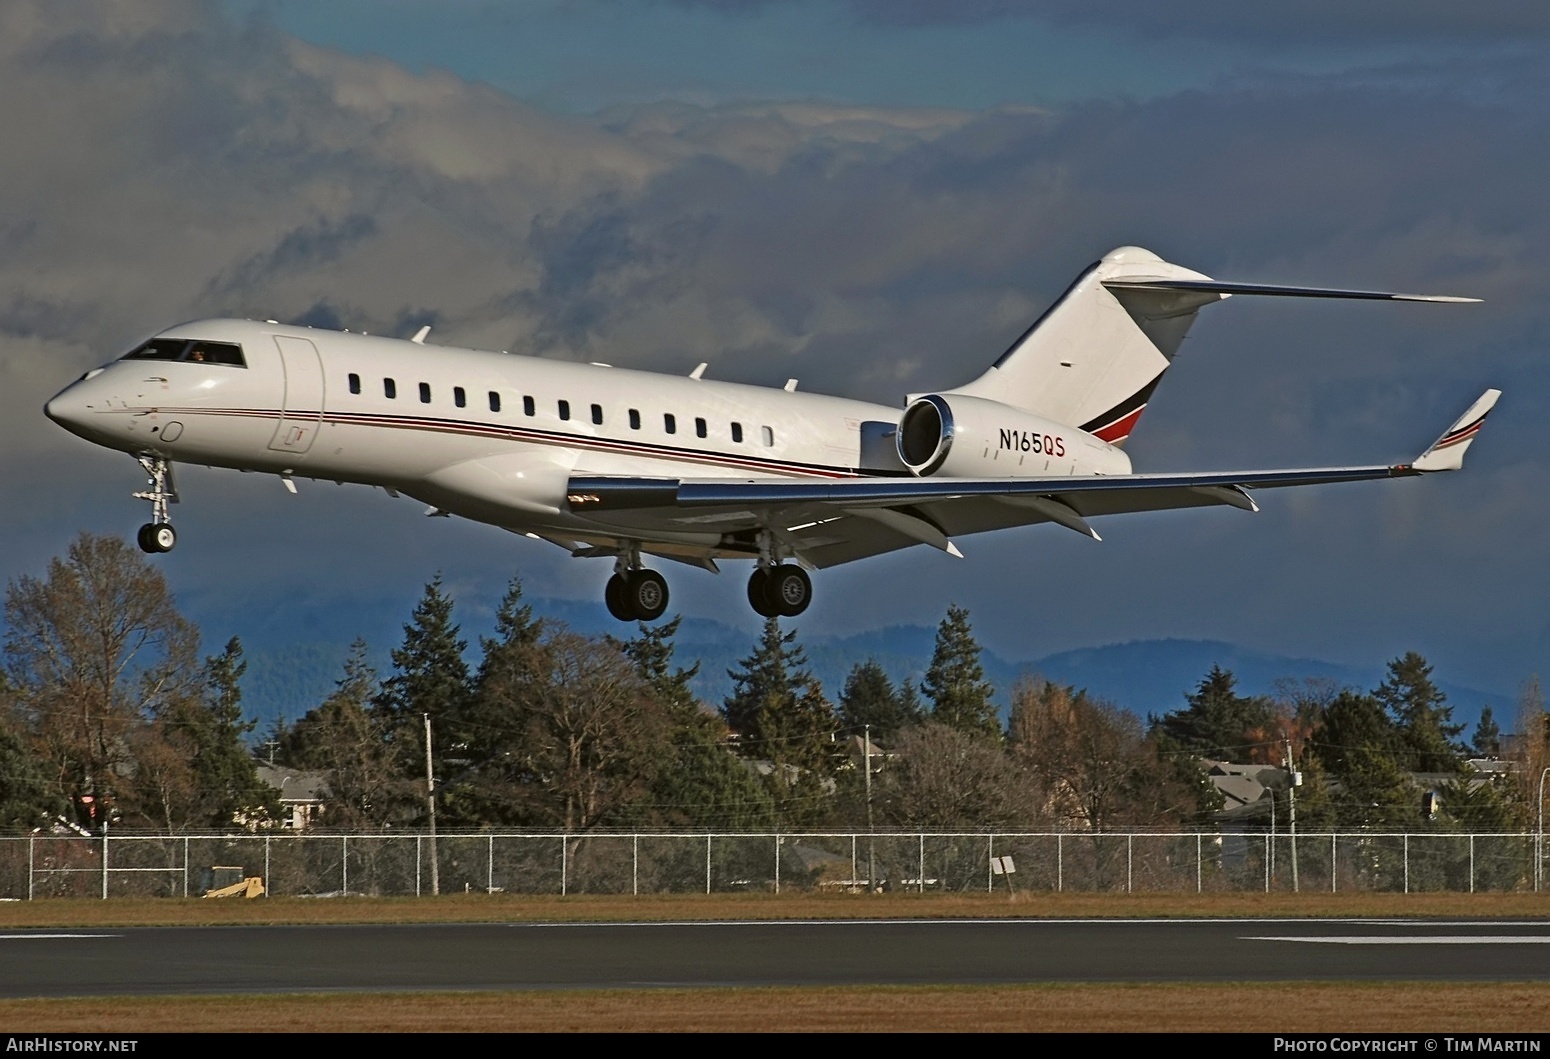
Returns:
<point x="285" y="959"/>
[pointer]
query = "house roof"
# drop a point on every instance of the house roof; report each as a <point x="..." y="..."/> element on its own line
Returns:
<point x="296" y="786"/>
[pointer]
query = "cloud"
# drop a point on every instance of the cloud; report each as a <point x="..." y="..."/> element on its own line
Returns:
<point x="179" y="165"/>
<point x="1373" y="22"/>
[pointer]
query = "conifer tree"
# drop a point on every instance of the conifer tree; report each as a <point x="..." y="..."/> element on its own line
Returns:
<point x="429" y="677"/>
<point x="781" y="716"/>
<point x="207" y="734"/>
<point x="485" y="736"/>
<point x="870" y="698"/>
<point x="1356" y="743"/>
<point x="702" y="783"/>
<point x="344" y="739"/>
<point x="1487" y="740"/>
<point x="955" y="681"/>
<point x="652" y="652"/>
<point x="26" y="798"/>
<point x="775" y="671"/>
<point x="1217" y="722"/>
<point x="1428" y="738"/>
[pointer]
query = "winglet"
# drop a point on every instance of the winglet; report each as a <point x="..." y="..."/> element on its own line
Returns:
<point x="1447" y="452"/>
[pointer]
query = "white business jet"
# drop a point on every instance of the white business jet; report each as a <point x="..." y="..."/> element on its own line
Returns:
<point x="623" y="464"/>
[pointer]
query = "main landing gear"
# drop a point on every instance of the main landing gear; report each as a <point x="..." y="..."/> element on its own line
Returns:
<point x="636" y="595"/>
<point x="158" y="535"/>
<point x="782" y="591"/>
<point x="777" y="589"/>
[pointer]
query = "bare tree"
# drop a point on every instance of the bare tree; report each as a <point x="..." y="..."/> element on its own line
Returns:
<point x="1532" y="747"/>
<point x="92" y="652"/>
<point x="1091" y="764"/>
<point x="594" y="735"/>
<point x="941" y="776"/>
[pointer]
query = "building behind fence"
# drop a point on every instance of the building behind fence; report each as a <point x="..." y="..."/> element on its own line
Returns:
<point x="389" y="865"/>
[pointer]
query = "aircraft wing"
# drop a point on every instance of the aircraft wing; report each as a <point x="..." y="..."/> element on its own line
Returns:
<point x="832" y="521"/>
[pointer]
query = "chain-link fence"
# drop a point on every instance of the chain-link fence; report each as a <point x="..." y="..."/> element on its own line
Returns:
<point x="313" y="864"/>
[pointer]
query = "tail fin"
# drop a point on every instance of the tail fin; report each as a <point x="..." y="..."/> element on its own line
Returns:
<point x="1095" y="356"/>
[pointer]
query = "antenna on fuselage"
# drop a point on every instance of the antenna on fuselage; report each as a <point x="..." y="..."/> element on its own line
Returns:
<point x="699" y="371"/>
<point x="419" y="336"/>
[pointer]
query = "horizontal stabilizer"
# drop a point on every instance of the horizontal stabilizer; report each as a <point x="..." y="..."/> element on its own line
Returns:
<point x="1212" y="286"/>
<point x="1447" y="452"/>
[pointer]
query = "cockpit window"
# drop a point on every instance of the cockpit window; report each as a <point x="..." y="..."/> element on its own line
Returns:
<point x="197" y="351"/>
<point x="159" y="349"/>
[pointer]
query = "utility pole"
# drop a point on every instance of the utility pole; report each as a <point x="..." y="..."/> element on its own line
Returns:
<point x="1294" y="778"/>
<point x="430" y="801"/>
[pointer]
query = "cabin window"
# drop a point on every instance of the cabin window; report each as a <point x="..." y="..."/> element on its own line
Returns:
<point x="597" y="414"/>
<point x="389" y="388"/>
<point x="459" y="398"/>
<point x="529" y="407"/>
<point x="355" y="383"/>
<point x="737" y="432"/>
<point x="635" y="419"/>
<point x="564" y="409"/>
<point x="495" y="401"/>
<point x="699" y="427"/>
<point x="425" y="393"/>
<point x="669" y="423"/>
<point x="769" y="436"/>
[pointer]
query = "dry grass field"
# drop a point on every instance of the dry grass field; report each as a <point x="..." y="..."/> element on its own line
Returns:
<point x="1260" y="1008"/>
<point x="514" y="908"/>
<point x="1282" y="1007"/>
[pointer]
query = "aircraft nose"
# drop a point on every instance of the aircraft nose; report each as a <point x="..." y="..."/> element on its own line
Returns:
<point x="63" y="408"/>
<point x="69" y="407"/>
<point x="55" y="409"/>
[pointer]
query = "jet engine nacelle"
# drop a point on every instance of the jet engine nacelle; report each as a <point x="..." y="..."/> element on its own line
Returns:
<point x="956" y="436"/>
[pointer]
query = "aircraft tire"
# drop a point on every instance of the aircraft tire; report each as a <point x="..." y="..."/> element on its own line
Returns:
<point x="789" y="589"/>
<point x="614" y="597"/>
<point x="155" y="537"/>
<point x="164" y="536"/>
<point x="759" y="597"/>
<point x="646" y="593"/>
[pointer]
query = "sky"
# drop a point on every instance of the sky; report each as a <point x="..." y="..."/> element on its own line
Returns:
<point x="874" y="197"/>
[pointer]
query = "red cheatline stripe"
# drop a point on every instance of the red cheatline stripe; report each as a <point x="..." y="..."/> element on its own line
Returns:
<point x="537" y="437"/>
<point x="1461" y="434"/>
<point x="1120" y="428"/>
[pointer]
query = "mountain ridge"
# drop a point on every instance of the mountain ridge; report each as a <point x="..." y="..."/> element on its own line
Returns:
<point x="1152" y="676"/>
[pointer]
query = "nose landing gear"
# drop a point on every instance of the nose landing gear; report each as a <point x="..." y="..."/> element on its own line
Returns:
<point x="158" y="535"/>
